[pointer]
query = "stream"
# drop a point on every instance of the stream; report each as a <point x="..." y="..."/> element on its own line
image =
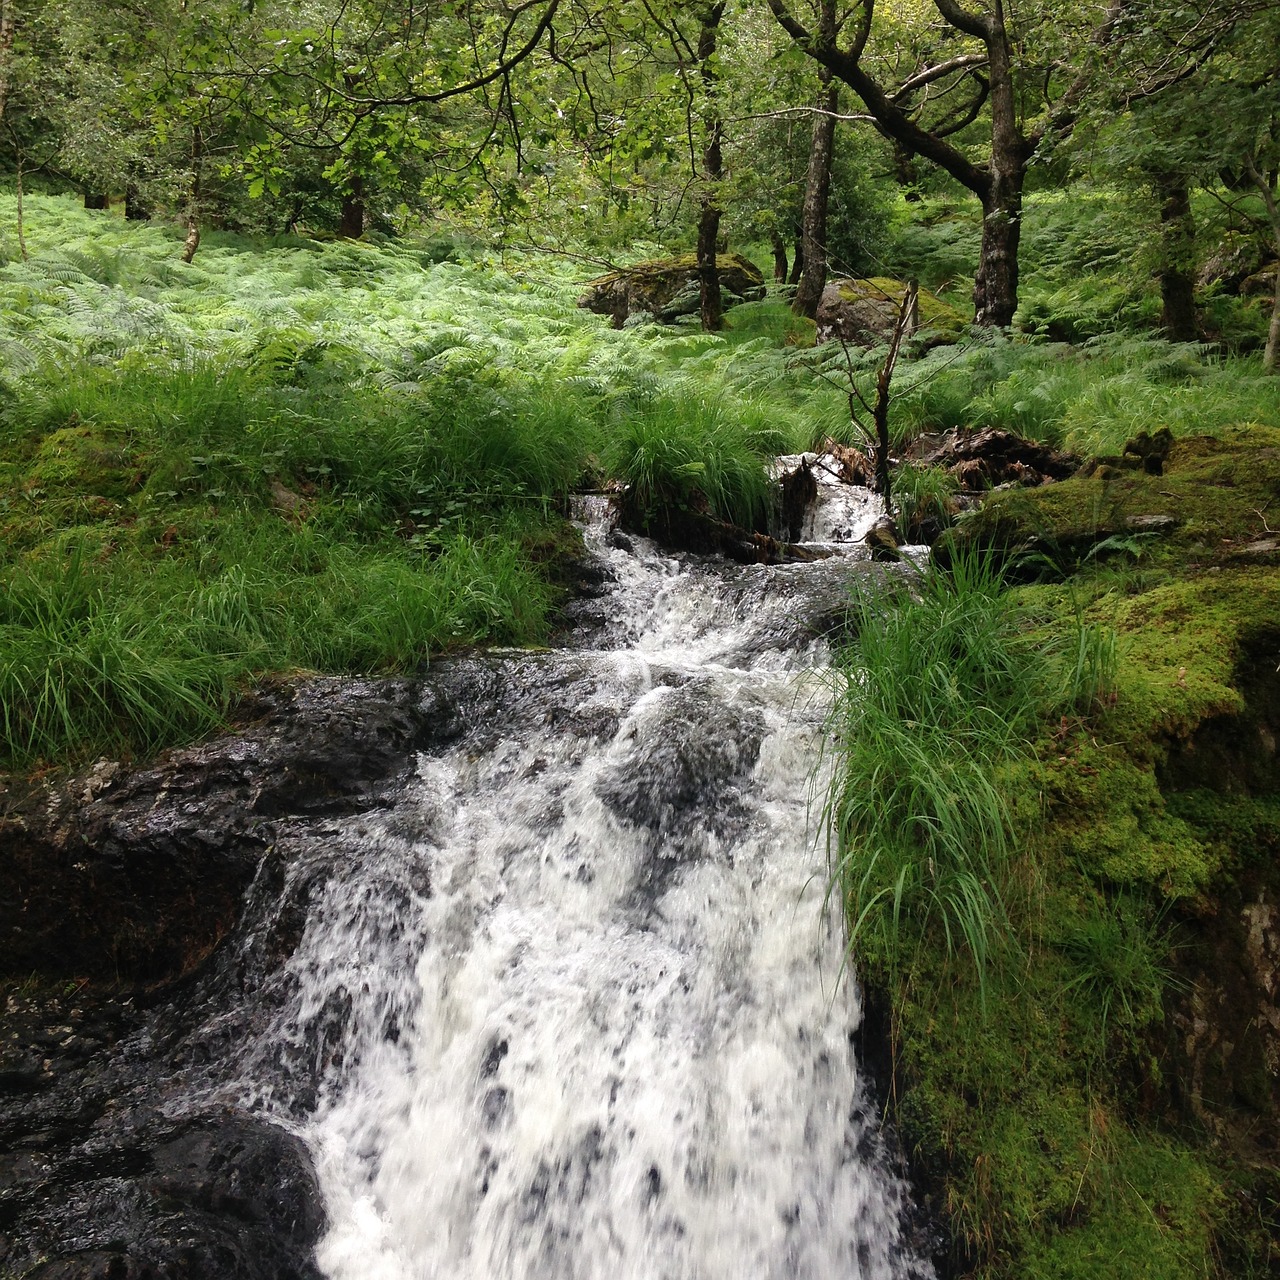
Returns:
<point x="562" y="999"/>
<point x="595" y="1021"/>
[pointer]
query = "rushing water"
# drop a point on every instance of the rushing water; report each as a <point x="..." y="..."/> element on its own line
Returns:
<point x="572" y="1002"/>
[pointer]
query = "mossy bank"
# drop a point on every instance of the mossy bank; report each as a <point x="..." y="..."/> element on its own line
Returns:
<point x="1102" y="1097"/>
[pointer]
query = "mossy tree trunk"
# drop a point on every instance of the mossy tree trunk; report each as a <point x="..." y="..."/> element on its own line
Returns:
<point x="712" y="170"/>
<point x="817" y="190"/>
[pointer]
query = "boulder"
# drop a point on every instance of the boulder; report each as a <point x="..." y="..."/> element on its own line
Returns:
<point x="667" y="288"/>
<point x="1236" y="259"/>
<point x="1262" y="283"/>
<point x="863" y="312"/>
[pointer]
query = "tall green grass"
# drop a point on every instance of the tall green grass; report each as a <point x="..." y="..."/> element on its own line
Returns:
<point x="681" y="451"/>
<point x="940" y="699"/>
<point x="1089" y="399"/>
<point x="939" y="690"/>
<point x="300" y="456"/>
<point x="135" y="651"/>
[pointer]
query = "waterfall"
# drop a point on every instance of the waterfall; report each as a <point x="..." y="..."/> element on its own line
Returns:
<point x="573" y="1004"/>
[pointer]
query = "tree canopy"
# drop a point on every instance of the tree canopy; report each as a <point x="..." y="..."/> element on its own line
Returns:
<point x="612" y="122"/>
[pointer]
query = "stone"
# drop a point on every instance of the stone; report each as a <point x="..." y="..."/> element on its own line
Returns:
<point x="882" y="539"/>
<point x="1239" y="257"/>
<point x="1261" y="284"/>
<point x="864" y="312"/>
<point x="668" y="288"/>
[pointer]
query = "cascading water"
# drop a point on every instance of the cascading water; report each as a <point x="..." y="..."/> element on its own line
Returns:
<point x="570" y="1005"/>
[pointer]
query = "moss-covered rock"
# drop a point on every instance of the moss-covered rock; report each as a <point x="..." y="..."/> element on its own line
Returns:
<point x="864" y="312"/>
<point x="80" y="460"/>
<point x="668" y="288"/>
<point x="1213" y="505"/>
<point x="1115" y="1110"/>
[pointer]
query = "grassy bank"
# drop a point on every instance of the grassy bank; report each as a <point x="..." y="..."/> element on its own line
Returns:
<point x="1057" y="804"/>
<point x="300" y="456"/>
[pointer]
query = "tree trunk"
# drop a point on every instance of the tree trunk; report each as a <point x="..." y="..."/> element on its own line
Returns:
<point x="22" y="225"/>
<point x="193" y="204"/>
<point x="797" y="263"/>
<point x="905" y="172"/>
<point x="351" y="220"/>
<point x="817" y="190"/>
<point x="712" y="172"/>
<point x="1177" y="259"/>
<point x="134" y="209"/>
<point x="779" y="247"/>
<point x="995" y="291"/>
<point x="1271" y="356"/>
<point x="1267" y="190"/>
<point x="8" y="31"/>
<point x="708" y="272"/>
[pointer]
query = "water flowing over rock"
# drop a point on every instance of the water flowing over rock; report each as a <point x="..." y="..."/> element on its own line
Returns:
<point x="533" y="976"/>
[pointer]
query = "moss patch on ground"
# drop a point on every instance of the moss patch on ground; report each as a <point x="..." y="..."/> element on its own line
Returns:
<point x="1215" y="504"/>
<point x="1104" y="1111"/>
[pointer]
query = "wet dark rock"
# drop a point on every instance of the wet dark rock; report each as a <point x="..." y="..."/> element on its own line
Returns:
<point x="221" y="1197"/>
<point x="798" y="490"/>
<point x="693" y="528"/>
<point x="883" y="540"/>
<point x="685" y="783"/>
<point x="141" y="877"/>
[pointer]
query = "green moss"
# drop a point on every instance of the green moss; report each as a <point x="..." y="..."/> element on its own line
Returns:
<point x="1045" y="1124"/>
<point x="1209" y="506"/>
<point x="1242" y="831"/>
<point x="681" y="265"/>
<point x="1107" y="816"/>
<point x="1146" y="1207"/>
<point x="936" y="315"/>
<point x="83" y="460"/>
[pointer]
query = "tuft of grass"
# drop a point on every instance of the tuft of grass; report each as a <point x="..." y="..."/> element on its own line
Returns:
<point x="924" y="499"/>
<point x="937" y="694"/>
<point x="1118" y="957"/>
<point x="685" y="452"/>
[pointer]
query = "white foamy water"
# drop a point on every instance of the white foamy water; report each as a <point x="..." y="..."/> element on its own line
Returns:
<point x="582" y="1012"/>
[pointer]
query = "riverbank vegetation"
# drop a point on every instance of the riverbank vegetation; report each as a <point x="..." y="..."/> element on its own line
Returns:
<point x="293" y="378"/>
